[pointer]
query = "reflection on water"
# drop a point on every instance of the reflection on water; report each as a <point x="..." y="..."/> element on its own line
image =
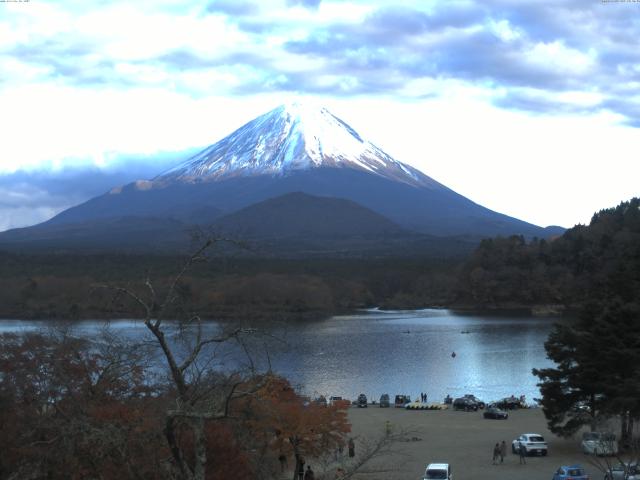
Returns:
<point x="391" y="352"/>
<point x="410" y="352"/>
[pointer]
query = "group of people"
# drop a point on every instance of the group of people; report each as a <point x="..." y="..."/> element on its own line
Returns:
<point x="423" y="397"/>
<point x="303" y="474"/>
<point x="500" y="451"/>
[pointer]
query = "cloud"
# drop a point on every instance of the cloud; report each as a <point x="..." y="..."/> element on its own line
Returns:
<point x="244" y="47"/>
<point x="541" y="103"/>
<point x="24" y="202"/>
<point x="27" y="198"/>
<point x="628" y="108"/>
<point x="233" y="7"/>
<point x="70" y="61"/>
<point x="305" y="3"/>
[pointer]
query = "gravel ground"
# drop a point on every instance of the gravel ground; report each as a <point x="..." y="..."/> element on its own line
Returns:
<point x="465" y="440"/>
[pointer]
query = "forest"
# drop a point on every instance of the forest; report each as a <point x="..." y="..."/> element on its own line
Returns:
<point x="586" y="260"/>
<point x="550" y="275"/>
<point x="64" y="286"/>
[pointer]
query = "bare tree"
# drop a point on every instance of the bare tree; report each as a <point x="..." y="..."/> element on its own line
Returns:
<point x="614" y="462"/>
<point x="200" y="395"/>
<point x="375" y="457"/>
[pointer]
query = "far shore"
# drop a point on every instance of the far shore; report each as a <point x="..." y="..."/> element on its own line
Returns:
<point x="297" y="316"/>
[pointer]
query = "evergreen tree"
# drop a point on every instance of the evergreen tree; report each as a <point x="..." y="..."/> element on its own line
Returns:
<point x="597" y="357"/>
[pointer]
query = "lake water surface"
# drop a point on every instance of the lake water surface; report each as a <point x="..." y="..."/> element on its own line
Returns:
<point x="375" y="352"/>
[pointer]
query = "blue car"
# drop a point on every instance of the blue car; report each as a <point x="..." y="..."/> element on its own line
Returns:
<point x="571" y="472"/>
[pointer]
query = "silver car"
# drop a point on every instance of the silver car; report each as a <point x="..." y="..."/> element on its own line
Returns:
<point x="599" y="443"/>
<point x="532" y="443"/>
<point x="624" y="471"/>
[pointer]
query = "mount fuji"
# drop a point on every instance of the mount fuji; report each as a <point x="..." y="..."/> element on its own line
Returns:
<point x="294" y="148"/>
<point x="291" y="138"/>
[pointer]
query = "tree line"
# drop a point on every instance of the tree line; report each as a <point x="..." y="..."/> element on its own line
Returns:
<point x="61" y="286"/>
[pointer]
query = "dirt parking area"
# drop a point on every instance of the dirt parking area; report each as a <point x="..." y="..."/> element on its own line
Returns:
<point x="465" y="440"/>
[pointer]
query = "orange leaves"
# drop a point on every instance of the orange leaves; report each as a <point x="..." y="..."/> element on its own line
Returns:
<point x="288" y="423"/>
<point x="67" y="412"/>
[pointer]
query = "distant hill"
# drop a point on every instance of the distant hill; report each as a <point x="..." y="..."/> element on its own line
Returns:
<point x="302" y="215"/>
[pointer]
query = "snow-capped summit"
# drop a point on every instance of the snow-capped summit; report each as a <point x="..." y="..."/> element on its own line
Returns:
<point x="294" y="136"/>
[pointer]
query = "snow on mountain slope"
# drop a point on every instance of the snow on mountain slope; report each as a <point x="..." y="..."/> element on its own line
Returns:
<point x="291" y="137"/>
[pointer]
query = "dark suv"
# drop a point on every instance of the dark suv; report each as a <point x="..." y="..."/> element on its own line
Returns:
<point x="384" y="400"/>
<point x="362" y="401"/>
<point x="473" y="398"/>
<point x="465" y="404"/>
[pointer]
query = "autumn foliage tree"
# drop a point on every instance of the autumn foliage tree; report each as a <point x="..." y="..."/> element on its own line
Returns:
<point x="69" y="410"/>
<point x="291" y="426"/>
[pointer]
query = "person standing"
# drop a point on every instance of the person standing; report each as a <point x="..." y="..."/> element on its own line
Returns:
<point x="496" y="454"/>
<point x="309" y="475"/>
<point x="522" y="452"/>
<point x="352" y="448"/>
<point x="301" y="468"/>
<point x="503" y="451"/>
<point x="283" y="462"/>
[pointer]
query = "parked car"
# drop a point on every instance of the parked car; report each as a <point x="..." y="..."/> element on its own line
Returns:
<point x="438" y="471"/>
<point x="340" y="402"/>
<point x="479" y="402"/>
<point x="599" y="443"/>
<point x="624" y="471"/>
<point x="571" y="472"/>
<point x="495" y="413"/>
<point x="384" y="400"/>
<point x="465" y="404"/>
<point x="533" y="444"/>
<point x="509" y="403"/>
<point x="402" y="400"/>
<point x="362" y="401"/>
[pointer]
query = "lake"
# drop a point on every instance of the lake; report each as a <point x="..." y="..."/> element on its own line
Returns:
<point x="375" y="352"/>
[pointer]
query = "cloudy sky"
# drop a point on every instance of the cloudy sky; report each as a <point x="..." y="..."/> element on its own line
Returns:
<point x="528" y="108"/>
